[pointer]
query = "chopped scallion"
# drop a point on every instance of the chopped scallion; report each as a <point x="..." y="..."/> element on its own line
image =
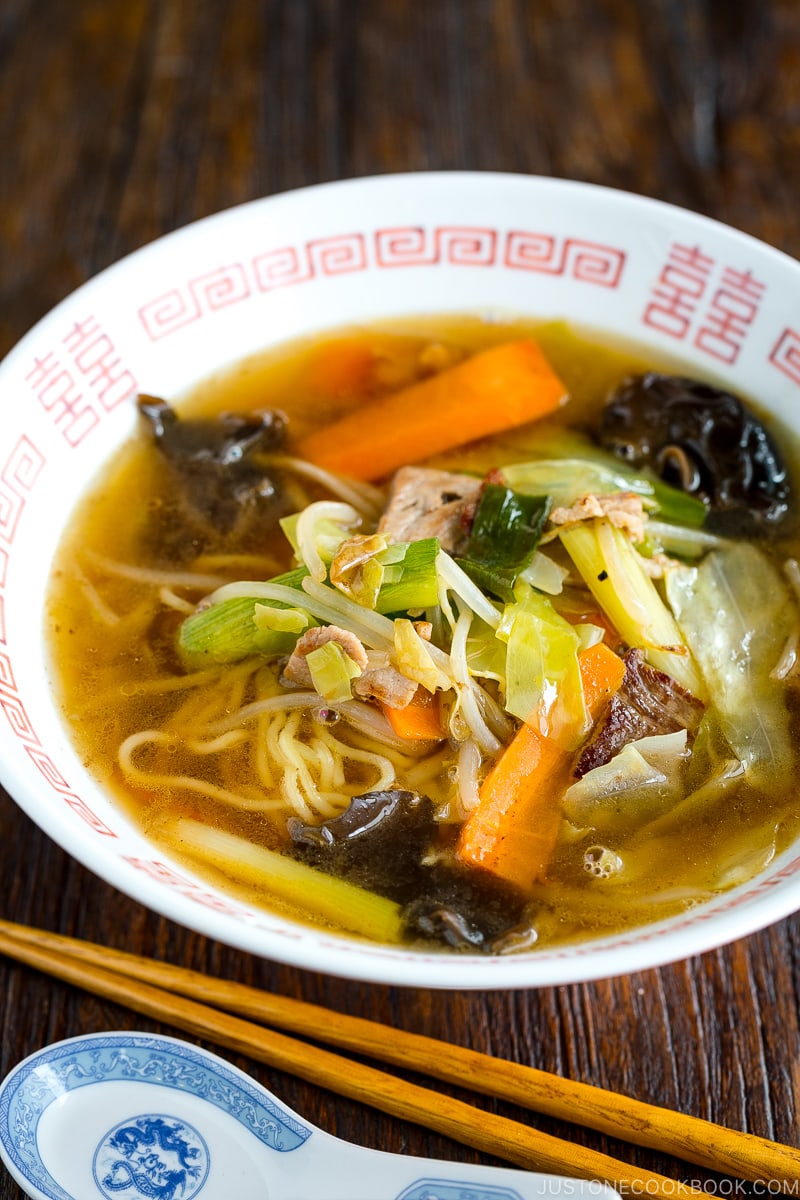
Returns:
<point x="230" y="631"/>
<point x="613" y="573"/>
<point x="505" y="534"/>
<point x="240" y="626"/>
<point x="416" y="586"/>
<point x="332" y="900"/>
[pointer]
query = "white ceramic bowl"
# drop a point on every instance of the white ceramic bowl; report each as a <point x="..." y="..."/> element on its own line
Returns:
<point x="314" y="259"/>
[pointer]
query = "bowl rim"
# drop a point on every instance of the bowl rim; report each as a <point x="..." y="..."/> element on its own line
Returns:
<point x="379" y="181"/>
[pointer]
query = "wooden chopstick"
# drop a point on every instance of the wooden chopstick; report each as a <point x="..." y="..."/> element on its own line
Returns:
<point x="690" y="1138"/>
<point x="519" y="1144"/>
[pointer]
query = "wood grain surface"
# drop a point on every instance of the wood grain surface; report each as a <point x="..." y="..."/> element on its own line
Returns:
<point x="123" y="119"/>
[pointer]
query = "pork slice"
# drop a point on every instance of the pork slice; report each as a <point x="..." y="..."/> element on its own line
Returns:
<point x="381" y="681"/>
<point x="648" y="702"/>
<point x="386" y="685"/>
<point x="424" y="502"/>
<point x="625" y="510"/>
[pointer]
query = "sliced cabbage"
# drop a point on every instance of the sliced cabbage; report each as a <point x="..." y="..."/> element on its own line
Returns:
<point x="332" y="672"/>
<point x="637" y="785"/>
<point x="281" y="620"/>
<point x="748" y="860"/>
<point x="543" y="680"/>
<point x="412" y="658"/>
<point x="545" y="574"/>
<point x="486" y="653"/>
<point x="565" y="480"/>
<point x="736" y="612"/>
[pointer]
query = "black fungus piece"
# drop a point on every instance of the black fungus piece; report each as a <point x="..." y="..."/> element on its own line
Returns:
<point x="387" y="842"/>
<point x="704" y="441"/>
<point x="443" y="924"/>
<point x="464" y="909"/>
<point x="218" y="486"/>
<point x="378" y="842"/>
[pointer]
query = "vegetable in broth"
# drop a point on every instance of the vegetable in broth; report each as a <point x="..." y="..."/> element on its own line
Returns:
<point x="456" y="634"/>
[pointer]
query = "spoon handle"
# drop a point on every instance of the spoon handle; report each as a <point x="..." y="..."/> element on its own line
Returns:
<point x="365" y="1174"/>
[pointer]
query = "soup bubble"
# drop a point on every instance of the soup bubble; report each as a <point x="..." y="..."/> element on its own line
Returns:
<point x="602" y="862"/>
<point x="326" y="716"/>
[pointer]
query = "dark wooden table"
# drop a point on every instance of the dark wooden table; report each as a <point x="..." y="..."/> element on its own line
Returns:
<point x="123" y="119"/>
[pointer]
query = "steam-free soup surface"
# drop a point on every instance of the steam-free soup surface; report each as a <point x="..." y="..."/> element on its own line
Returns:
<point x="535" y="761"/>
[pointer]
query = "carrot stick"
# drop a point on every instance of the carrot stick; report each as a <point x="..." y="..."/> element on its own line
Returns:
<point x="602" y="672"/>
<point x="419" y="721"/>
<point x="341" y="367"/>
<point x="512" y="832"/>
<point x="497" y="389"/>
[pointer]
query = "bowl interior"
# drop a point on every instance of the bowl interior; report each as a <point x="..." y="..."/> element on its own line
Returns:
<point x="320" y="258"/>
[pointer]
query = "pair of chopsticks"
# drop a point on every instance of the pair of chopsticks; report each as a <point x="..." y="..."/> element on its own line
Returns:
<point x="223" y="1012"/>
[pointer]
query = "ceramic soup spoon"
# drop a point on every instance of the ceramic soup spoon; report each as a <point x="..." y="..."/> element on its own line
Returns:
<point x="123" y="1116"/>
